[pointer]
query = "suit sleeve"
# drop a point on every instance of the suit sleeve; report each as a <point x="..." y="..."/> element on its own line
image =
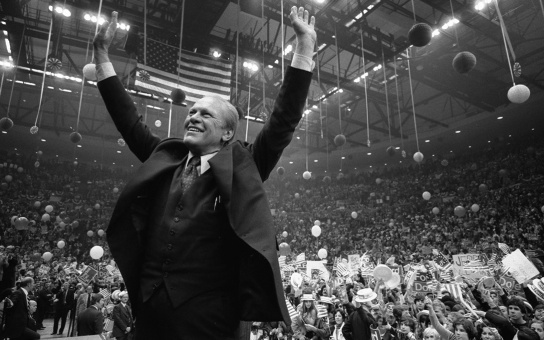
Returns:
<point x="278" y="130"/>
<point x="99" y="323"/>
<point x="505" y="328"/>
<point x="117" y="318"/>
<point x="120" y="105"/>
<point x="347" y="330"/>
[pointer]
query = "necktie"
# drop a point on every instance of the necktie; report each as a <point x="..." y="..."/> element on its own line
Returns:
<point x="88" y="300"/>
<point x="190" y="173"/>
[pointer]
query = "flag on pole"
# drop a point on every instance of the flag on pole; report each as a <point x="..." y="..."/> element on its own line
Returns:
<point x="455" y="290"/>
<point x="504" y="248"/>
<point x="321" y="311"/>
<point x="293" y="314"/>
<point x="199" y="75"/>
<point x="105" y="293"/>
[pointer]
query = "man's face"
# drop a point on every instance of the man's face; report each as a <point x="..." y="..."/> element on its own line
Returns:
<point x="204" y="127"/>
<point x="33" y="306"/>
<point x="539" y="314"/>
<point x="124" y="298"/>
<point x="101" y="303"/>
<point x="65" y="286"/>
<point x="419" y="304"/>
<point x="504" y="311"/>
<point x="30" y="286"/>
<point x="375" y="312"/>
<point x="514" y="312"/>
<point x="429" y="336"/>
<point x="89" y="289"/>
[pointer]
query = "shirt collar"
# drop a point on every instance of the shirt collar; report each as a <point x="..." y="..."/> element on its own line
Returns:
<point x="24" y="291"/>
<point x="204" y="165"/>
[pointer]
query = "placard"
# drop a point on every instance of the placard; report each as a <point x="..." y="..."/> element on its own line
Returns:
<point x="87" y="275"/>
<point x="519" y="266"/>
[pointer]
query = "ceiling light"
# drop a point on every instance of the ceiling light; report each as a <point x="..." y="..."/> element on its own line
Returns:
<point x="315" y="160"/>
<point x="79" y="145"/>
<point x="343" y="157"/>
<point x="43" y="140"/>
<point x="291" y="162"/>
<point x="427" y="140"/>
<point x="118" y="151"/>
<point x="499" y="118"/>
<point x="458" y="131"/>
<point x="369" y="153"/>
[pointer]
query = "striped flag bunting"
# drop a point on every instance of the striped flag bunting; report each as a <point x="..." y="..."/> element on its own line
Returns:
<point x="455" y="290"/>
<point x="504" y="248"/>
<point x="199" y="75"/>
<point x="105" y="293"/>
<point x="293" y="314"/>
<point x="446" y="273"/>
<point x="492" y="261"/>
<point x="321" y="311"/>
<point x="281" y="261"/>
<point x="342" y="269"/>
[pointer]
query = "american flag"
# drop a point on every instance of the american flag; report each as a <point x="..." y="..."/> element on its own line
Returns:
<point x="455" y="290"/>
<point x="301" y="260"/>
<point x="446" y="273"/>
<point x="199" y="75"/>
<point x="321" y="311"/>
<point x="281" y="261"/>
<point x="293" y="314"/>
<point x="105" y="293"/>
<point x="342" y="269"/>
<point x="504" y="248"/>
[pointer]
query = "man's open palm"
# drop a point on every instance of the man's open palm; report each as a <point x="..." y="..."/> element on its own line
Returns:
<point x="303" y="24"/>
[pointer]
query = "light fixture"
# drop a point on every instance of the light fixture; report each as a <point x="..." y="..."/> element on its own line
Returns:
<point x="118" y="151"/>
<point x="458" y="131"/>
<point x="499" y="118"/>
<point x="315" y="160"/>
<point x="427" y="140"/>
<point x="216" y="54"/>
<point x="343" y="157"/>
<point x="43" y="140"/>
<point x="291" y="162"/>
<point x="61" y="10"/>
<point x="369" y="153"/>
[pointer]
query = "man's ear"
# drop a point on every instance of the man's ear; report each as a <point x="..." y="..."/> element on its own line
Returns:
<point x="227" y="136"/>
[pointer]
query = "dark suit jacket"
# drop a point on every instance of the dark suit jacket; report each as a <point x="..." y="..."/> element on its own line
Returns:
<point x="238" y="169"/>
<point x="16" y="316"/>
<point x="122" y="318"/>
<point x="65" y="302"/>
<point x="90" y="322"/>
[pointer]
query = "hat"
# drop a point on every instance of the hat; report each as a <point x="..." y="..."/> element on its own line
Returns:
<point x="326" y="299"/>
<point x="365" y="295"/>
<point x="423" y="312"/>
<point x="307" y="297"/>
<point x="123" y="293"/>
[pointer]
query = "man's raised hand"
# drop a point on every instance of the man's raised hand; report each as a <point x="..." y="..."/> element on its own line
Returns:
<point x="103" y="39"/>
<point x="304" y="30"/>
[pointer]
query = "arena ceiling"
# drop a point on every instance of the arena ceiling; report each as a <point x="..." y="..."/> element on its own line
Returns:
<point x="445" y="101"/>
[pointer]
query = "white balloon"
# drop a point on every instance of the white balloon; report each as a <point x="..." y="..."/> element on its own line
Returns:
<point x="317" y="222"/>
<point x="61" y="244"/>
<point x="426" y="195"/>
<point x="89" y="71"/>
<point x="47" y="256"/>
<point x="316" y="230"/>
<point x="418" y="157"/>
<point x="307" y="175"/>
<point x="519" y="94"/>
<point x="354" y="214"/>
<point x="322" y="253"/>
<point x="97" y="252"/>
<point x="284" y="234"/>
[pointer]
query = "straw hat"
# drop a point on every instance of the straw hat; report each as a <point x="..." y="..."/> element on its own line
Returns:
<point x="326" y="299"/>
<point x="307" y="297"/>
<point x="365" y="295"/>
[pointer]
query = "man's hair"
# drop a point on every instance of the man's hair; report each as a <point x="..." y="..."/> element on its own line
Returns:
<point x="514" y="301"/>
<point x="95" y="298"/>
<point x="431" y="331"/>
<point x="26" y="281"/>
<point x="232" y="115"/>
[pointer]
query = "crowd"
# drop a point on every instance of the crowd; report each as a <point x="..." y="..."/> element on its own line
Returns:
<point x="62" y="208"/>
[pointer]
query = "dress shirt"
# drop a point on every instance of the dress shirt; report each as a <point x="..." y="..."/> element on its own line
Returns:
<point x="204" y="165"/>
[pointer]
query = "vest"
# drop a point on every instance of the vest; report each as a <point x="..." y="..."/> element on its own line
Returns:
<point x="190" y="249"/>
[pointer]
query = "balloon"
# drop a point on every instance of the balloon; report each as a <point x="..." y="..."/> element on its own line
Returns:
<point x="75" y="137"/>
<point x="340" y="140"/>
<point x="316" y="230"/>
<point x="475" y="208"/>
<point x="75" y="163"/>
<point x="542" y="209"/>
<point x="378" y="181"/>
<point x="436" y="210"/>
<point x="13" y="219"/>
<point x="75" y="224"/>
<point x="8" y="178"/>
<point x="418" y="157"/>
<point x="502" y="173"/>
<point x="100" y="232"/>
<point x="483" y="188"/>
<point x="47" y="256"/>
<point x="90" y="233"/>
<point x="34" y="130"/>
<point x="115" y="190"/>
<point x="426" y="195"/>
<point x="459" y="211"/>
<point x="62" y="224"/>
<point x="19" y="169"/>
<point x="285" y="249"/>
<point x="58" y="219"/>
<point x="317" y="222"/>
<point x="177" y="96"/>
<point x="461" y="190"/>
<point x="6" y="123"/>
<point x="97" y="252"/>
<point x="444" y="162"/>
<point x="37" y="164"/>
<point x="340" y="176"/>
<point x="518" y="94"/>
<point x="21" y="223"/>
<point x="297" y="195"/>
<point x="464" y="62"/>
<point x="97" y="206"/>
<point x="121" y="142"/>
<point x="307" y="175"/>
<point x="322" y="253"/>
<point x="46" y="218"/>
<point x="327" y="179"/>
<point x="37" y="204"/>
<point x="89" y="71"/>
<point x="420" y="34"/>
<point x="284" y="234"/>
<point x="49" y="208"/>
<point x="61" y="244"/>
<point x="354" y="214"/>
<point x="280" y="170"/>
<point x="39" y="153"/>
<point x="391" y="151"/>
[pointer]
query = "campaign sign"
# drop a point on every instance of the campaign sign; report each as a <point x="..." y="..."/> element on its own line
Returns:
<point x="87" y="275"/>
<point x="420" y="284"/>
